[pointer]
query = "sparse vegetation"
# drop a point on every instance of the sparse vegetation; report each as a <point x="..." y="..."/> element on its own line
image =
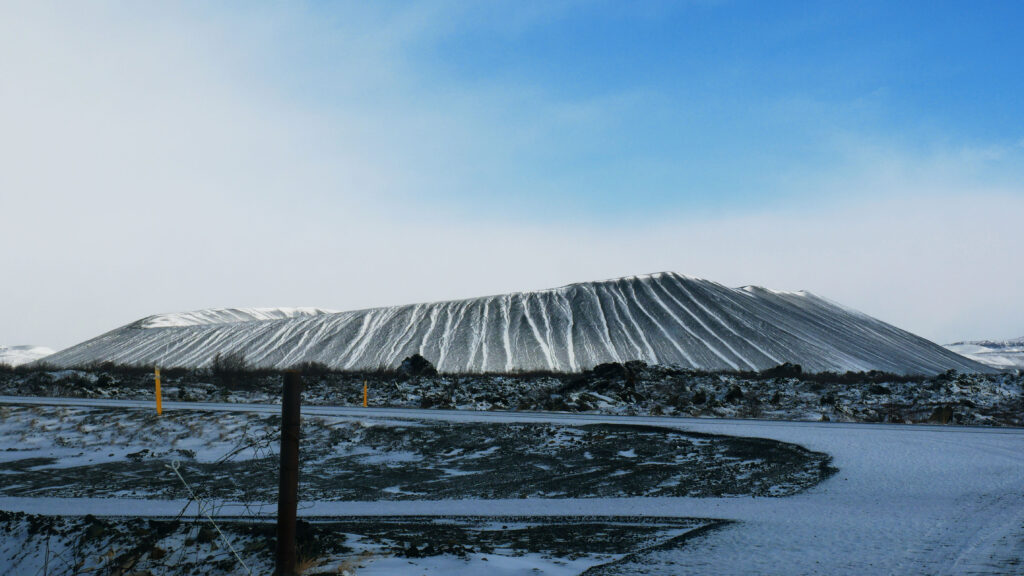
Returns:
<point x="627" y="388"/>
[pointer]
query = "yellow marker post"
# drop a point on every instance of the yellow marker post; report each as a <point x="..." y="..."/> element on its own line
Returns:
<point x="365" y="393"/>
<point x="159" y="404"/>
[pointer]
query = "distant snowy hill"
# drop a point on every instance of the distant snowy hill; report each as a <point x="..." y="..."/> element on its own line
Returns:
<point x="17" y="355"/>
<point x="660" y="318"/>
<point x="999" y="354"/>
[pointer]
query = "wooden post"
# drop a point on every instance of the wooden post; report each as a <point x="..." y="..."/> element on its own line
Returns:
<point x="288" y="495"/>
<point x="159" y="400"/>
<point x="365" y="393"/>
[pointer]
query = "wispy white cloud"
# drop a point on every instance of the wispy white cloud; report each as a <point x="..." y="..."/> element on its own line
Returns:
<point x="158" y="159"/>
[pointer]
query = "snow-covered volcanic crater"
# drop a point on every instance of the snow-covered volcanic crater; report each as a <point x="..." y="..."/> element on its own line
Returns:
<point x="661" y="318"/>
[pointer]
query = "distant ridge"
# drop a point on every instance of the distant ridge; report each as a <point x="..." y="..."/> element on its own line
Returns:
<point x="18" y="355"/>
<point x="1004" y="354"/>
<point x="663" y="318"/>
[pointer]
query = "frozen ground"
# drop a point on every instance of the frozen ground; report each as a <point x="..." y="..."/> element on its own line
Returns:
<point x="103" y="452"/>
<point x="58" y="545"/>
<point x="906" y="500"/>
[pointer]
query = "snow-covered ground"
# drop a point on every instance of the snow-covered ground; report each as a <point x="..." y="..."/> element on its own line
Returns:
<point x="18" y="355"/>
<point x="906" y="500"/>
<point x="1005" y="354"/>
<point x="103" y="452"/>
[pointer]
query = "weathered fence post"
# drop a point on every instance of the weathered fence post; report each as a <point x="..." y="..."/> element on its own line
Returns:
<point x="288" y="497"/>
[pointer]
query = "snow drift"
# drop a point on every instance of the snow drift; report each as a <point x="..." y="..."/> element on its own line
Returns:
<point x="661" y="318"/>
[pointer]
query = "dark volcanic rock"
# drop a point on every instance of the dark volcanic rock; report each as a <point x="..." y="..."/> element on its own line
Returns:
<point x="784" y="370"/>
<point x="417" y="365"/>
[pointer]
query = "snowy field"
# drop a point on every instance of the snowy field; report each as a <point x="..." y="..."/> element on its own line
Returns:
<point x="363" y="545"/>
<point x="905" y="500"/>
<point x="96" y="452"/>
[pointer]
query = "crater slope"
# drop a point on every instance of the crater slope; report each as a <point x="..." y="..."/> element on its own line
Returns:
<point x="663" y="318"/>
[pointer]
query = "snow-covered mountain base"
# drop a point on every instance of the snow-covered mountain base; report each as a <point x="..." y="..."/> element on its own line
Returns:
<point x="1005" y="354"/>
<point x="662" y="318"/>
<point x="18" y="355"/>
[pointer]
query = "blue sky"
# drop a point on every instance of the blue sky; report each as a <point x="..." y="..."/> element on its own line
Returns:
<point x="166" y="157"/>
<point x="608" y="107"/>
